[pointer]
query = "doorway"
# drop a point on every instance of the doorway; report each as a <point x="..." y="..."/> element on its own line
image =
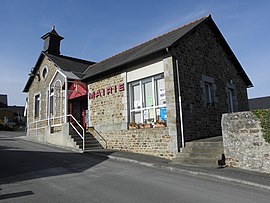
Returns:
<point x="77" y="108"/>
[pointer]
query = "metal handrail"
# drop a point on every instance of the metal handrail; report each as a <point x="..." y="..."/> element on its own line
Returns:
<point x="100" y="136"/>
<point x="54" y="118"/>
<point x="83" y="131"/>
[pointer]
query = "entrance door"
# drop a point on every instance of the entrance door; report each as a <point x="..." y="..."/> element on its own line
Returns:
<point x="77" y="107"/>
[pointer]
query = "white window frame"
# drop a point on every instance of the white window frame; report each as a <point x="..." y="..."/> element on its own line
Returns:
<point x="142" y="102"/>
<point x="50" y="103"/>
<point x="45" y="67"/>
<point x="34" y="106"/>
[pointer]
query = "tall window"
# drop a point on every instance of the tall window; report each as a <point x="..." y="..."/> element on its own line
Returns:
<point x="231" y="97"/>
<point x="51" y="102"/>
<point x="36" y="106"/>
<point x="209" y="89"/>
<point x="148" y="100"/>
<point x="208" y="93"/>
<point x="230" y="93"/>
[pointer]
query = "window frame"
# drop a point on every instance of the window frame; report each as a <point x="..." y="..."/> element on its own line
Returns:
<point x="143" y="100"/>
<point x="37" y="108"/>
<point x="44" y="68"/>
<point x="209" y="91"/>
<point x="232" y="102"/>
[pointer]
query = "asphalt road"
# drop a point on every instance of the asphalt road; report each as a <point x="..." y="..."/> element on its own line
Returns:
<point x="31" y="172"/>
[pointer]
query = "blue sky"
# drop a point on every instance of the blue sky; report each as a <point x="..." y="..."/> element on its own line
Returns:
<point x="97" y="29"/>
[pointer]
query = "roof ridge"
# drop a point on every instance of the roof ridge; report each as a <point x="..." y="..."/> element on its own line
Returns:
<point x="74" y="59"/>
<point x="155" y="38"/>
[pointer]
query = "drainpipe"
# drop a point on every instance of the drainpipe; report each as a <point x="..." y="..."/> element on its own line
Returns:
<point x="180" y="106"/>
<point x="66" y="99"/>
<point x="181" y="141"/>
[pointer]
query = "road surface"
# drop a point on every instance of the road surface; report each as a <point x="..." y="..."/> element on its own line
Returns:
<point x="32" y="172"/>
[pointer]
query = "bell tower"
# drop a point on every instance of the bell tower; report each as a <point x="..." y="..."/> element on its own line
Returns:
<point x="52" y="42"/>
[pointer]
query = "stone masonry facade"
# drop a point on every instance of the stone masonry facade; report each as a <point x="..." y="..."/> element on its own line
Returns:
<point x="244" y="144"/>
<point x="40" y="86"/>
<point x="108" y="114"/>
<point x="200" y="54"/>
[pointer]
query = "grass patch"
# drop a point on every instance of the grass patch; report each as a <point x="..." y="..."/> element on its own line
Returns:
<point x="264" y="116"/>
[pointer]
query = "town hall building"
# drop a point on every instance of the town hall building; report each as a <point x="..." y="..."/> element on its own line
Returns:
<point x="150" y="99"/>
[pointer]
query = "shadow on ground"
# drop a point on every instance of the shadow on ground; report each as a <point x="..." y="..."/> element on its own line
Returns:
<point x="19" y="164"/>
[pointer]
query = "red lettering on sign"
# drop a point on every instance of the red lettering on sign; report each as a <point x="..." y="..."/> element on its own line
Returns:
<point x="92" y="95"/>
<point x="121" y="87"/>
<point x="109" y="90"/>
<point x="98" y="93"/>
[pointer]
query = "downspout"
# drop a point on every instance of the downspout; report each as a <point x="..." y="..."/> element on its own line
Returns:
<point x="66" y="99"/>
<point x="180" y="106"/>
<point x="181" y="143"/>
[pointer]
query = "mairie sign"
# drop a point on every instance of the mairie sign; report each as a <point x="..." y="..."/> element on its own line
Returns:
<point x="106" y="91"/>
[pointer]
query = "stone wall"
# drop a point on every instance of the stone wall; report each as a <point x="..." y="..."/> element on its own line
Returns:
<point x="39" y="86"/>
<point x="108" y="114"/>
<point x="152" y="141"/>
<point x="108" y="111"/>
<point x="244" y="144"/>
<point x="201" y="53"/>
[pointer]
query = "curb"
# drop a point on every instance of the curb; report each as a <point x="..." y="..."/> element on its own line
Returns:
<point x="217" y="177"/>
<point x="170" y="168"/>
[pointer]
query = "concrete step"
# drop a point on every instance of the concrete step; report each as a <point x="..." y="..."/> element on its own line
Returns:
<point x="199" y="155"/>
<point x="202" y="153"/>
<point x="204" y="144"/>
<point x="90" y="141"/>
<point x="89" y="145"/>
<point x="80" y="139"/>
<point x="198" y="162"/>
<point x="203" y="150"/>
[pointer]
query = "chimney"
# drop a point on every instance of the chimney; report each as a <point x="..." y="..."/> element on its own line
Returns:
<point x="52" y="42"/>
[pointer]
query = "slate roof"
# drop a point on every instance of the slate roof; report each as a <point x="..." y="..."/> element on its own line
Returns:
<point x="87" y="70"/>
<point x="74" y="65"/>
<point x="71" y="66"/>
<point x="259" y="103"/>
<point x="158" y="44"/>
<point x="142" y="50"/>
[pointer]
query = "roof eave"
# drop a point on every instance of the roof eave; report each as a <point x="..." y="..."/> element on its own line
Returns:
<point x="31" y="78"/>
<point x="118" y="67"/>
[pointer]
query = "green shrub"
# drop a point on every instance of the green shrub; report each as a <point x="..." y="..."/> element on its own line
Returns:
<point x="264" y="117"/>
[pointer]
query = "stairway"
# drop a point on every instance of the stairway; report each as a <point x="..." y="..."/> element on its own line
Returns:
<point x="205" y="152"/>
<point x="90" y="142"/>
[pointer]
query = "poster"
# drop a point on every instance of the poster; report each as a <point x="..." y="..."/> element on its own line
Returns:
<point x="136" y="104"/>
<point x="149" y="101"/>
<point x="151" y="113"/>
<point x="163" y="114"/>
<point x="145" y="114"/>
<point x="162" y="96"/>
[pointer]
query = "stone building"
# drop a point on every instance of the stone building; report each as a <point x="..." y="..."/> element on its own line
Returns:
<point x="171" y="89"/>
<point x="259" y="103"/>
<point x="11" y="116"/>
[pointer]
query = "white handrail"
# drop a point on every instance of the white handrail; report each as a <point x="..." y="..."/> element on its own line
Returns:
<point x="83" y="133"/>
<point x="54" y="118"/>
